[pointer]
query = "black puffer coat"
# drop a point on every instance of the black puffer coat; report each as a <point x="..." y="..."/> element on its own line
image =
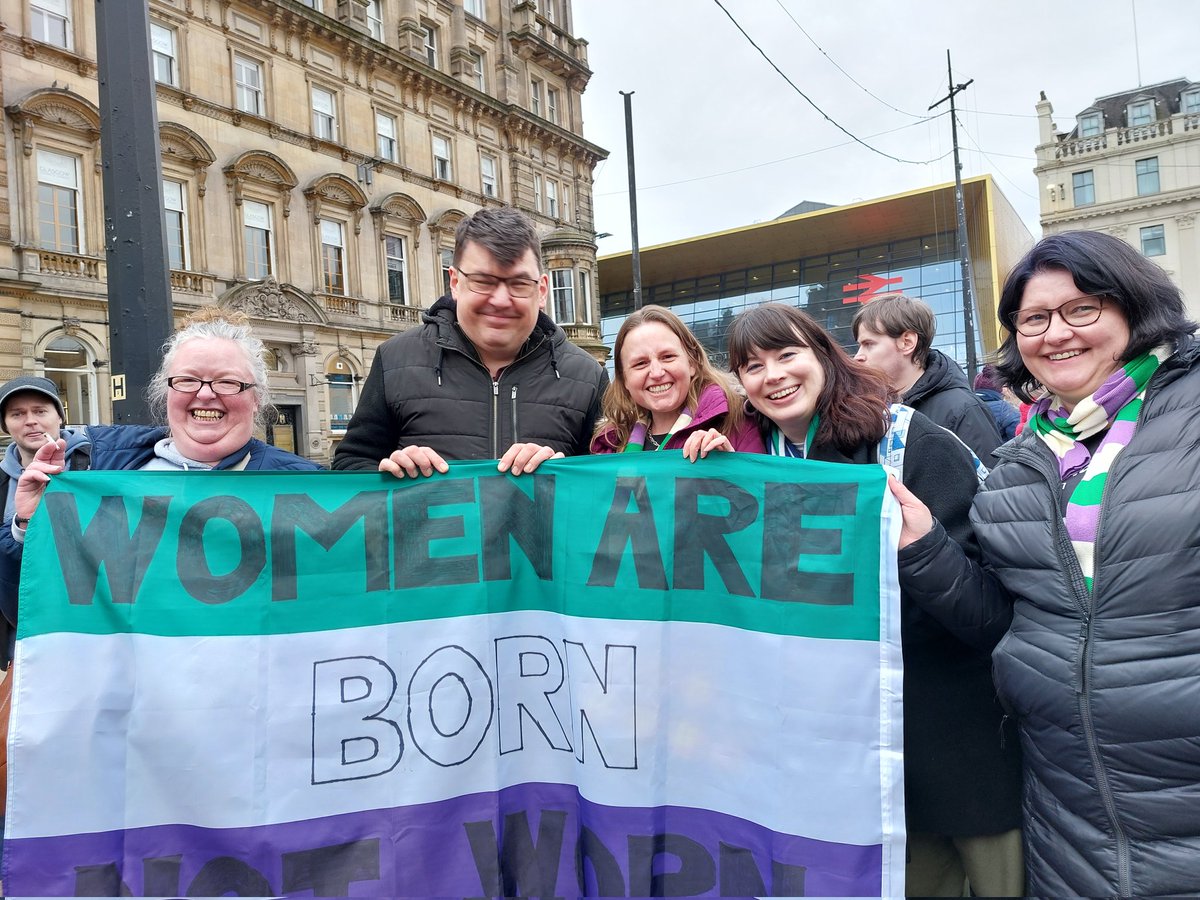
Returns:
<point x="1106" y="687"/>
<point x="428" y="388"/>
<point x="942" y="394"/>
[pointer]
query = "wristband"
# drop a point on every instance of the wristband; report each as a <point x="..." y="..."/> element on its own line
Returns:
<point x="20" y="521"/>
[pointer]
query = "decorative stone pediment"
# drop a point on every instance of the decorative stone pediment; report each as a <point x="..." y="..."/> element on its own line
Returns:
<point x="445" y="222"/>
<point x="54" y="108"/>
<point x="268" y="299"/>
<point x="180" y="143"/>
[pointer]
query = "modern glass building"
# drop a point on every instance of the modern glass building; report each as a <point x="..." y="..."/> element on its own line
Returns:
<point x="829" y="262"/>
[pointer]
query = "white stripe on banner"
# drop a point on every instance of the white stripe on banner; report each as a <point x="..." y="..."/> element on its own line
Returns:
<point x="750" y="712"/>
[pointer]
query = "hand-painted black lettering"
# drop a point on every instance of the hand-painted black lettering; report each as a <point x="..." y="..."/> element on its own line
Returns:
<point x="700" y="534"/>
<point x="106" y="542"/>
<point x="787" y="540"/>
<point x="518" y="867"/>
<point x="329" y="871"/>
<point x="451" y="702"/>
<point x="229" y="875"/>
<point x="191" y="562"/>
<point x="510" y="516"/>
<point x="294" y="512"/>
<point x="636" y="530"/>
<point x="415" y="530"/>
<point x="591" y="855"/>
<point x="693" y="874"/>
<point x="350" y="696"/>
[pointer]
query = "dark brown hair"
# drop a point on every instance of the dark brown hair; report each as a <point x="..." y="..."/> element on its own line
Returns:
<point x="893" y="315"/>
<point x="853" y="405"/>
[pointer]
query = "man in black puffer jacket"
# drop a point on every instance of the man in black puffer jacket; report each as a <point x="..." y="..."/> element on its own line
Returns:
<point x="894" y="335"/>
<point x="487" y="374"/>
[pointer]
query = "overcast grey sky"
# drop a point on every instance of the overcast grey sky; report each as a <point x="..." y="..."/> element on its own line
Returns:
<point x="722" y="140"/>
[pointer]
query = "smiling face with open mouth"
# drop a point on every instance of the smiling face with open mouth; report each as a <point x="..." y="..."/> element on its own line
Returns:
<point x="206" y="426"/>
<point x="657" y="372"/>
<point x="1071" y="360"/>
<point x="785" y="385"/>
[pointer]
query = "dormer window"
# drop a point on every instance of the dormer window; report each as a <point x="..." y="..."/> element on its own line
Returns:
<point x="1189" y="101"/>
<point x="1091" y="124"/>
<point x="1140" y="112"/>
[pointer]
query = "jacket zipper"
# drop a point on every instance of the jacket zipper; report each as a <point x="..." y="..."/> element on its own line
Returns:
<point x="496" y="417"/>
<point x="513" y="405"/>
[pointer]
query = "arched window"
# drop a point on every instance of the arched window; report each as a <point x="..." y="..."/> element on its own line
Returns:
<point x="69" y="365"/>
<point x="342" y="382"/>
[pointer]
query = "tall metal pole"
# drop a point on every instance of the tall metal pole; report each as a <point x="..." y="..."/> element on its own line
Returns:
<point x="964" y="249"/>
<point x="135" y="239"/>
<point x="637" y="259"/>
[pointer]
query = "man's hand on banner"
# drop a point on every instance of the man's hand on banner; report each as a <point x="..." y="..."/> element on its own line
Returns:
<point x="701" y="443"/>
<point x="918" y="520"/>
<point x="525" y="458"/>
<point x="412" y="462"/>
<point x="49" y="460"/>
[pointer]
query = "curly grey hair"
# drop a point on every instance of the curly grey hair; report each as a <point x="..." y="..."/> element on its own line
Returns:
<point x="212" y="323"/>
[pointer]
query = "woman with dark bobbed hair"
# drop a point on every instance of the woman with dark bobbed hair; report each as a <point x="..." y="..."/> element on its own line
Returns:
<point x="1089" y="583"/>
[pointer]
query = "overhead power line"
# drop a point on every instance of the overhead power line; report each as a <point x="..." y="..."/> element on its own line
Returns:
<point x="855" y="81"/>
<point x="828" y="118"/>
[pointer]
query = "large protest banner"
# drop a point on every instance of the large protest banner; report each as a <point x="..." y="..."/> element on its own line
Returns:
<point x="614" y="677"/>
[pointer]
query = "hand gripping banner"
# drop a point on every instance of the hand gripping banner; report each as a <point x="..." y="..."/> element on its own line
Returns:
<point x="613" y="677"/>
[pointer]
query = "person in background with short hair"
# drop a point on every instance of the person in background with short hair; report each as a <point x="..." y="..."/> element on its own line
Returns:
<point x="666" y="394"/>
<point x="895" y="336"/>
<point x="991" y="392"/>
<point x="1088" y="588"/>
<point x="962" y="781"/>
<point x="486" y="375"/>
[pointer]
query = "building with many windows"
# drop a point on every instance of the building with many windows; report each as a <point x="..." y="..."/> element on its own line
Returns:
<point x="317" y="156"/>
<point x="1129" y="165"/>
<point x="828" y="260"/>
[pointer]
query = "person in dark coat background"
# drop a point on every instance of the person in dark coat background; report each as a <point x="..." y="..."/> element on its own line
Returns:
<point x="895" y="336"/>
<point x="989" y="390"/>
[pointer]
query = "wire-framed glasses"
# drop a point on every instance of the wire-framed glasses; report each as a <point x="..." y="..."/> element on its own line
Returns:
<point x="1076" y="312"/>
<point x="518" y="286"/>
<point x="186" y="384"/>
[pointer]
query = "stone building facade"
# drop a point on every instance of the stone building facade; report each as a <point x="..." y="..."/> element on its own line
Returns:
<point x="1129" y="165"/>
<point x="317" y="156"/>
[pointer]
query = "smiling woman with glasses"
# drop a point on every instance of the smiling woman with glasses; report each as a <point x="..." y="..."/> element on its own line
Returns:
<point x="1088" y="578"/>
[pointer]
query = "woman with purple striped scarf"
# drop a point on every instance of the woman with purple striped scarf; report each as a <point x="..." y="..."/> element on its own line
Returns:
<point x="1089" y="584"/>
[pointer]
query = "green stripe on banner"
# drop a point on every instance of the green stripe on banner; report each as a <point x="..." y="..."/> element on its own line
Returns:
<point x="741" y="540"/>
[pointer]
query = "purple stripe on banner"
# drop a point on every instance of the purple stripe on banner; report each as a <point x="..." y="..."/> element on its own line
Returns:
<point x="531" y="839"/>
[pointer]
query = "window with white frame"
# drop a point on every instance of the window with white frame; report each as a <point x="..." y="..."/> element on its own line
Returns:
<point x="324" y="114"/>
<point x="50" y="22"/>
<point x="1083" y="186"/>
<point x="1147" y="175"/>
<point x="1154" y="240"/>
<point x="397" y="272"/>
<point x="536" y="91"/>
<point x="342" y="399"/>
<point x="552" y="198"/>
<point x="564" y="203"/>
<point x="477" y="70"/>
<point x="547" y="9"/>
<point x="487" y="175"/>
<point x="1091" y="124"/>
<point x="386" y="145"/>
<point x="585" y="295"/>
<point x="248" y="84"/>
<point x="375" y="19"/>
<point x="258" y="239"/>
<point x="431" y="44"/>
<point x="537" y="193"/>
<point x="1140" y="112"/>
<point x="475" y="8"/>
<point x="333" y="257"/>
<point x="446" y="258"/>
<point x="58" y="202"/>
<point x="164" y="54"/>
<point x="1189" y="102"/>
<point x="175" y="215"/>
<point x="552" y="104"/>
<point x="562" y="294"/>
<point x="311" y="4"/>
<point x="442" y="169"/>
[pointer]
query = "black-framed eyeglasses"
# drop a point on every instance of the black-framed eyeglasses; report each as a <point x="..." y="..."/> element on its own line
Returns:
<point x="186" y="384"/>
<point x="518" y="286"/>
<point x="1076" y="312"/>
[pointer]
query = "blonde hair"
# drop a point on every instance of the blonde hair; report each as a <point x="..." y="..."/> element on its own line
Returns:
<point x="213" y="323"/>
<point x="621" y="413"/>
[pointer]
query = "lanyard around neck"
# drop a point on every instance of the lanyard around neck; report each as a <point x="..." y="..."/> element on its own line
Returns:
<point x="641" y="433"/>
<point x="781" y="446"/>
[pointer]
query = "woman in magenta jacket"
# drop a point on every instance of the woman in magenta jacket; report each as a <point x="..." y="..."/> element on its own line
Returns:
<point x="666" y="394"/>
